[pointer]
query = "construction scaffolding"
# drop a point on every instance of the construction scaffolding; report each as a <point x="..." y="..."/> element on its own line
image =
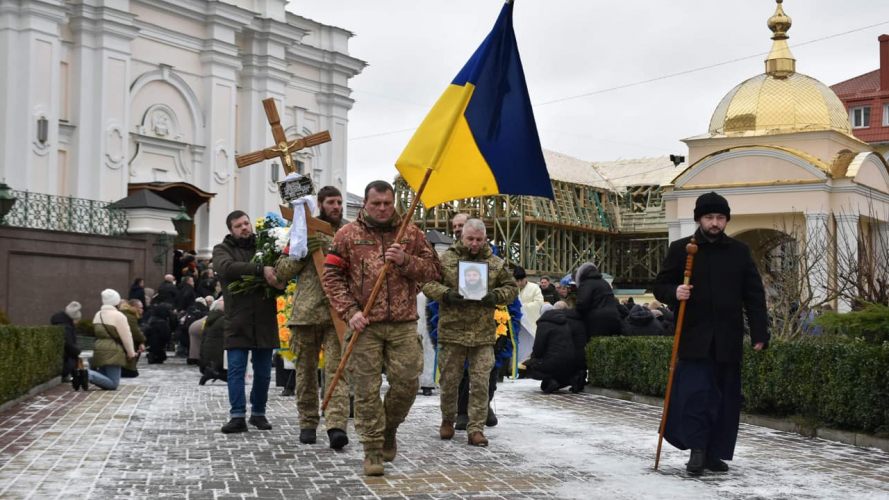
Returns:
<point x="620" y="225"/>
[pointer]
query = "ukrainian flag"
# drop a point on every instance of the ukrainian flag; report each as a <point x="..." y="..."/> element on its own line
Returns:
<point x="480" y="138"/>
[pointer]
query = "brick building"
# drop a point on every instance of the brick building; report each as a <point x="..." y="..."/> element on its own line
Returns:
<point x="866" y="97"/>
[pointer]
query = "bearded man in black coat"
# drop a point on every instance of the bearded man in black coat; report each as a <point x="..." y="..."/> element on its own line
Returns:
<point x="705" y="406"/>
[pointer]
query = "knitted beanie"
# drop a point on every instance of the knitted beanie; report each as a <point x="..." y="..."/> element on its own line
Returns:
<point x="73" y="310"/>
<point x="712" y="203"/>
<point x="110" y="297"/>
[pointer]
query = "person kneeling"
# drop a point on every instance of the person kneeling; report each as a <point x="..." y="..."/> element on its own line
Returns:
<point x="552" y="358"/>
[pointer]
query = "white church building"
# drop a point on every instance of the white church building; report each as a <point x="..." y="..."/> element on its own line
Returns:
<point x="102" y="98"/>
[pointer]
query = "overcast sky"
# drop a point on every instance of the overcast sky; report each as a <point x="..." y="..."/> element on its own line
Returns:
<point x="414" y="48"/>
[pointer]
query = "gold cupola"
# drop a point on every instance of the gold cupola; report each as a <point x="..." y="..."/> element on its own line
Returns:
<point x="779" y="101"/>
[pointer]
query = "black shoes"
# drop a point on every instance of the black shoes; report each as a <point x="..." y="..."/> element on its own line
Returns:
<point x="260" y="422"/>
<point x="236" y="424"/>
<point x="549" y="386"/>
<point x="204" y="378"/>
<point x="491" y="421"/>
<point x="307" y="436"/>
<point x="695" y="465"/>
<point x="716" y="465"/>
<point x="461" y="422"/>
<point x="338" y="438"/>
<point x="287" y="392"/>
<point x="427" y="391"/>
<point x="80" y="380"/>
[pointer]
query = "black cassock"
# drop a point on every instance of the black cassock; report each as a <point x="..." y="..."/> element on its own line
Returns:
<point x="705" y="407"/>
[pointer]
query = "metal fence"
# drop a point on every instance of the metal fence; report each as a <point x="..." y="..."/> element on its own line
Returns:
<point x="61" y="213"/>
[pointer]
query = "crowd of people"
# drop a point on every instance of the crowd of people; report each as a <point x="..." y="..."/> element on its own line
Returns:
<point x="473" y="305"/>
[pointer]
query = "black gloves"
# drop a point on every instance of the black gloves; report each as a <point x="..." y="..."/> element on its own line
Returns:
<point x="313" y="243"/>
<point x="500" y="344"/>
<point x="489" y="300"/>
<point x="452" y="298"/>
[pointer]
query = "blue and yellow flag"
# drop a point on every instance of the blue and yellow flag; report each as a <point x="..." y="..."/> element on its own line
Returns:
<point x="480" y="138"/>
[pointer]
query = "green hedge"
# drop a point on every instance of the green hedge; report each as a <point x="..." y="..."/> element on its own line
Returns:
<point x="837" y="383"/>
<point x="29" y="356"/>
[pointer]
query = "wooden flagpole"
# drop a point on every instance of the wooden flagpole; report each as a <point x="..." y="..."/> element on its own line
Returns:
<point x="376" y="290"/>
<point x="691" y="249"/>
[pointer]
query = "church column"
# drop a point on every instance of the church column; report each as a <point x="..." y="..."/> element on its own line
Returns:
<point x="264" y="75"/>
<point x="674" y="228"/>
<point x="100" y="81"/>
<point x="334" y="162"/>
<point x="221" y="65"/>
<point x="847" y="257"/>
<point x="816" y="256"/>
<point x="30" y="52"/>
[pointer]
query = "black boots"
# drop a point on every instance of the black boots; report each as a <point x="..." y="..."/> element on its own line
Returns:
<point x="461" y="422"/>
<point x="715" y="465"/>
<point x="491" y="421"/>
<point x="695" y="465"/>
<point x="427" y="391"/>
<point x="205" y="377"/>
<point x="80" y="379"/>
<point x="338" y="438"/>
<point x="260" y="422"/>
<point x="287" y="392"/>
<point x="236" y="424"/>
<point x="307" y="436"/>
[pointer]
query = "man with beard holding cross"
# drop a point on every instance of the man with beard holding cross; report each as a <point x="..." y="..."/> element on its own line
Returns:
<point x="311" y="326"/>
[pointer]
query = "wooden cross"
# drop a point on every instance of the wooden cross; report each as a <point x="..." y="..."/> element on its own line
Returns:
<point x="284" y="150"/>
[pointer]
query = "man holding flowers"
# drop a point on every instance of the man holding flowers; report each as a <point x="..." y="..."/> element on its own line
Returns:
<point x="250" y="323"/>
<point x="467" y="329"/>
<point x="311" y="327"/>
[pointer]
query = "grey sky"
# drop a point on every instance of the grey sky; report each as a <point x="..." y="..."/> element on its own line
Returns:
<point x="570" y="47"/>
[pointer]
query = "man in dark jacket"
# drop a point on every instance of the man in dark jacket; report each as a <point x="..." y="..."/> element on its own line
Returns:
<point x="212" y="357"/>
<point x="596" y="302"/>
<point x="250" y="323"/>
<point x="642" y="323"/>
<point x="185" y="297"/>
<point x="167" y="291"/>
<point x="548" y="290"/>
<point x="207" y="284"/>
<point x="66" y="319"/>
<point x="705" y="406"/>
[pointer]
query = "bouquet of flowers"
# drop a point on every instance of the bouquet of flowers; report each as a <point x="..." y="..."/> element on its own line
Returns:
<point x="272" y="240"/>
<point x="285" y="306"/>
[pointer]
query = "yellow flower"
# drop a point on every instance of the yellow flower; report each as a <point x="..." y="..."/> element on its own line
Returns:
<point x="281" y="319"/>
<point x="290" y="300"/>
<point x="291" y="288"/>
<point x="501" y="330"/>
<point x="501" y="316"/>
<point x="284" y="336"/>
<point x="281" y="303"/>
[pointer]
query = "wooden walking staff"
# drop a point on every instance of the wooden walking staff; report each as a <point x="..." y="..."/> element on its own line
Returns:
<point x="691" y="249"/>
<point x="374" y="292"/>
<point x="284" y="150"/>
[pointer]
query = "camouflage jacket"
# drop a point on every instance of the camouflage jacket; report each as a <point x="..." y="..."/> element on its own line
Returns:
<point x="356" y="259"/>
<point x="310" y="304"/>
<point x="470" y="323"/>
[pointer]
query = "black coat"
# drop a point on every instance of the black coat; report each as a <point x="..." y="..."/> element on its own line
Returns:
<point x="166" y="293"/>
<point x="553" y="351"/>
<point x="725" y="282"/>
<point x="597" y="305"/>
<point x="579" y="336"/>
<point x="185" y="298"/>
<point x="212" y="341"/>
<point x="550" y="294"/>
<point x="69" y="359"/>
<point x="250" y="318"/>
<point x="206" y="286"/>
<point x="642" y="323"/>
<point x="137" y="292"/>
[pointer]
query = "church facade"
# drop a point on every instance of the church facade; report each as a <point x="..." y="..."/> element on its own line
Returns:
<point x="102" y="98"/>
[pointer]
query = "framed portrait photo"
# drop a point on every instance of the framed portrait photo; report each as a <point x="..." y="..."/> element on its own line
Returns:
<point x="472" y="280"/>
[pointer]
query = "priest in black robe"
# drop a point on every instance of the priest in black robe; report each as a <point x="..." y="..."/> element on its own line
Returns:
<point x="705" y="404"/>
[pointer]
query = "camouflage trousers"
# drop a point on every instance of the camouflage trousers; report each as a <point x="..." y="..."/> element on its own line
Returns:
<point x="451" y="360"/>
<point x="398" y="347"/>
<point x="306" y="342"/>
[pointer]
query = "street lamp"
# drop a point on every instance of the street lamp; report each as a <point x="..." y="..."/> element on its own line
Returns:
<point x="7" y="200"/>
<point x="165" y="242"/>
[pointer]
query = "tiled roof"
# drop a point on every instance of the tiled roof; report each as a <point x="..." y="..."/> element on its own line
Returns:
<point x="862" y="86"/>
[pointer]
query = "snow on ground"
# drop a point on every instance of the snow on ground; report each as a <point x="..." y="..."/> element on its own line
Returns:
<point x="613" y="442"/>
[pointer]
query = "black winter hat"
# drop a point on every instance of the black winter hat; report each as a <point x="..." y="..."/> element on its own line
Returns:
<point x="712" y="203"/>
<point x="519" y="273"/>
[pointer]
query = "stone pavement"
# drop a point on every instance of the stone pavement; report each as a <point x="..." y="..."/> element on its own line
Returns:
<point x="157" y="437"/>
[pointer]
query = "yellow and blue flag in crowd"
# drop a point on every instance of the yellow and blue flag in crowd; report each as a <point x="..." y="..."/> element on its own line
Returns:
<point x="480" y="138"/>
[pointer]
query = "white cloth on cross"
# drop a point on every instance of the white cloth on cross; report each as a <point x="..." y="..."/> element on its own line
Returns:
<point x="299" y="232"/>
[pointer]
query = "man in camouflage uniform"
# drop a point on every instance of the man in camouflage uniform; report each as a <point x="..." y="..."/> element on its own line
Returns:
<point x="467" y="329"/>
<point x="389" y="332"/>
<point x="311" y="327"/>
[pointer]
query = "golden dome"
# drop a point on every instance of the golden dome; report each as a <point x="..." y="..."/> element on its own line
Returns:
<point x="779" y="101"/>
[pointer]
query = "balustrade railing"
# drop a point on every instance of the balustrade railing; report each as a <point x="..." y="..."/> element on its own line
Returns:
<point x="65" y="213"/>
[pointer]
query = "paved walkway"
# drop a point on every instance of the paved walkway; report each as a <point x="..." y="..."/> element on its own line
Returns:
<point x="158" y="437"/>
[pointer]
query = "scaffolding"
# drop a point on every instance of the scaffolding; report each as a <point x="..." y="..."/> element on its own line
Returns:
<point x="621" y="229"/>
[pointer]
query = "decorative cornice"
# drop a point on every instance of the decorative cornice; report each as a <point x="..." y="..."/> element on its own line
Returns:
<point x="169" y="37"/>
<point x="325" y="59"/>
<point x="818" y="169"/>
<point x="102" y="21"/>
<point x="54" y="11"/>
<point x="277" y="31"/>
